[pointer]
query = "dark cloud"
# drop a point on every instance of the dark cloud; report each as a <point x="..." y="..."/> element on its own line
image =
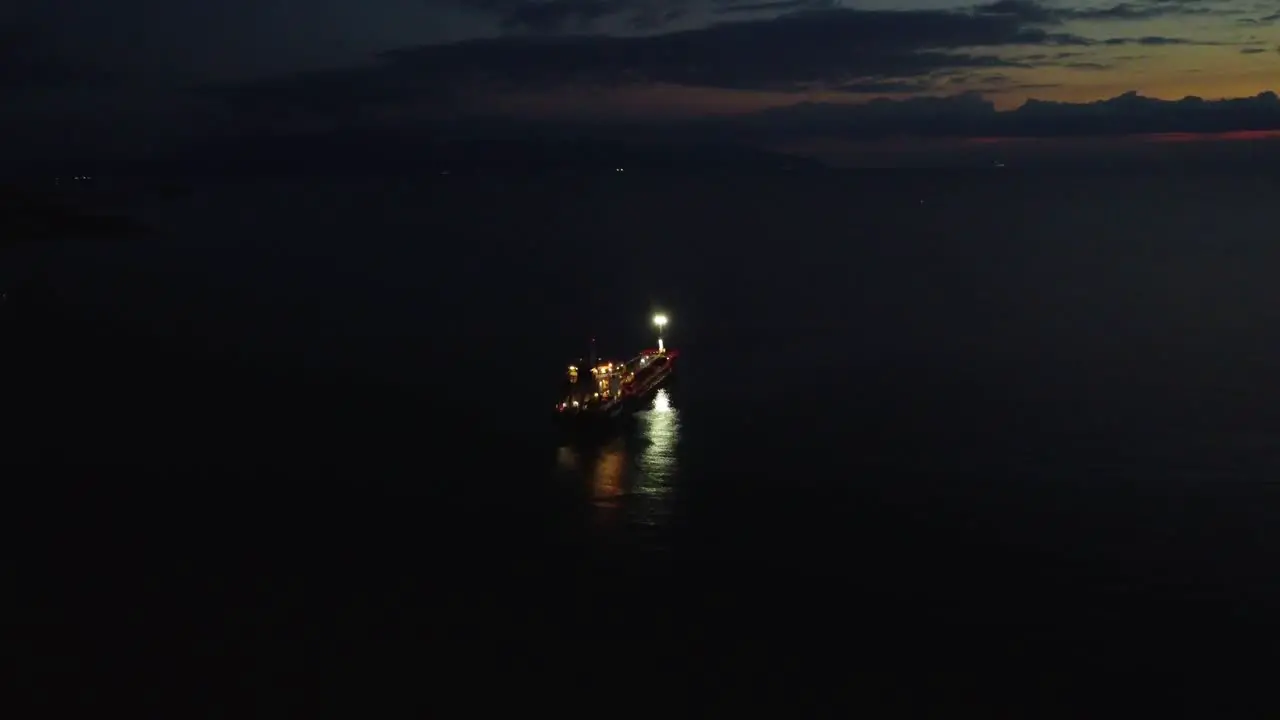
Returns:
<point x="988" y="84"/>
<point x="838" y="49"/>
<point x="775" y="6"/>
<point x="1035" y="12"/>
<point x="551" y="17"/>
<point x="547" y="16"/>
<point x="557" y="16"/>
<point x="1271" y="19"/>
<point x="332" y="94"/>
<point x="576" y="16"/>
<point x="1064" y="59"/>
<point x="856" y="51"/>
<point x="882" y="87"/>
<point x="824" y="48"/>
<point x="28" y="64"/>
<point x="810" y="44"/>
<point x="1160" y="40"/>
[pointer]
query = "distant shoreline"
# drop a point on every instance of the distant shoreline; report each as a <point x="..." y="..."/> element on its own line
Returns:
<point x="28" y="215"/>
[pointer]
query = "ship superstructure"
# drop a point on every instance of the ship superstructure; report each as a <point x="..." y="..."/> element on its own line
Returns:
<point x="603" y="390"/>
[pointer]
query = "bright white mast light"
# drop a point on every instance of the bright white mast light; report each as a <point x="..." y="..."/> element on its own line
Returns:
<point x="661" y="322"/>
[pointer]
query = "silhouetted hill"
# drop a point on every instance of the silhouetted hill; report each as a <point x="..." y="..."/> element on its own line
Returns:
<point x="27" y="215"/>
<point x="379" y="154"/>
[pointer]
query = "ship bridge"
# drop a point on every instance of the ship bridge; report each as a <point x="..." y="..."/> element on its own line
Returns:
<point x="587" y="385"/>
<point x="608" y="379"/>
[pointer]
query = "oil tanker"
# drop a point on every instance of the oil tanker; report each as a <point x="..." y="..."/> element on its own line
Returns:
<point x="601" y="392"/>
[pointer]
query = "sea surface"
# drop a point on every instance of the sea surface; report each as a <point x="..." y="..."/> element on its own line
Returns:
<point x="973" y="396"/>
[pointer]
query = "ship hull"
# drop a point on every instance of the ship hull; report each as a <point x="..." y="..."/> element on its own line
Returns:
<point x="593" y="424"/>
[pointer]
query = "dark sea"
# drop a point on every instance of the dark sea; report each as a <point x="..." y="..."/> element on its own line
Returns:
<point x="308" y="420"/>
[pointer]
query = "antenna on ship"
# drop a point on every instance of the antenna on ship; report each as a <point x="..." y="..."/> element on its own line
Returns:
<point x="593" y="353"/>
<point x="661" y="321"/>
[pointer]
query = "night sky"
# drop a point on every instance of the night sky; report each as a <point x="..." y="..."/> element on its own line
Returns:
<point x="139" y="76"/>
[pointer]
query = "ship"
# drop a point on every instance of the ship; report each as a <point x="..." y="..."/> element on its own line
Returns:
<point x="599" y="393"/>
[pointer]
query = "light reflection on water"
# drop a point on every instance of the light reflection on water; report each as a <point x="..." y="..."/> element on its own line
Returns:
<point x="660" y="427"/>
<point x="630" y="480"/>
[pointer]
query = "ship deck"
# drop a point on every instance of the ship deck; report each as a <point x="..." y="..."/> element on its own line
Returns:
<point x="630" y="386"/>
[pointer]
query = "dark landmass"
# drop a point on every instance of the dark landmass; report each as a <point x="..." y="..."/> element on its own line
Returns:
<point x="352" y="153"/>
<point x="972" y="116"/>
<point x="32" y="215"/>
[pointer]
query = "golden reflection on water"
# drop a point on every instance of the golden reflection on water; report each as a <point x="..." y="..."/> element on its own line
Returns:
<point x="632" y="477"/>
<point x="607" y="480"/>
